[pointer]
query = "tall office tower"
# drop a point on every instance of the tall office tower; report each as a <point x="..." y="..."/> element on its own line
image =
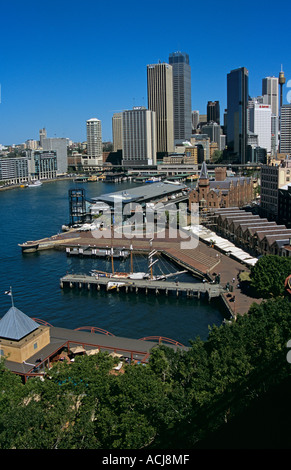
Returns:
<point x="213" y="111"/>
<point x="260" y="122"/>
<point x="160" y="100"/>
<point x="285" y="129"/>
<point x="42" y="135"/>
<point x="181" y="95"/>
<point x="195" y="120"/>
<point x="94" y="142"/>
<point x="274" y="134"/>
<point x="139" y="137"/>
<point x="117" y="131"/>
<point x="237" y="102"/>
<point x="61" y="147"/>
<point x="270" y="89"/>
<point x="213" y="130"/>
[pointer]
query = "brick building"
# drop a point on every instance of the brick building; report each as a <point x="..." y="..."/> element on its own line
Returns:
<point x="223" y="191"/>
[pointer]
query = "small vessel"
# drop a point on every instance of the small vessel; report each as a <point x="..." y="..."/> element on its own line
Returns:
<point x="135" y="275"/>
<point x="154" y="179"/>
<point x="34" y="184"/>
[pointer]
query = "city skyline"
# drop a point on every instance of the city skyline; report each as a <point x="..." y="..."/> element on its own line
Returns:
<point x="60" y="67"/>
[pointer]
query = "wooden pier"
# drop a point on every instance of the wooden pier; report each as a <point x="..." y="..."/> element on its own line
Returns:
<point x="146" y="286"/>
<point x="93" y="252"/>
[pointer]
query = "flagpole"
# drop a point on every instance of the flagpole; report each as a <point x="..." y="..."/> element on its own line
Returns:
<point x="12" y="297"/>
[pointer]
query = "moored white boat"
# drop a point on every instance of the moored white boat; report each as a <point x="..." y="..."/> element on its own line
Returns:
<point x="34" y="184"/>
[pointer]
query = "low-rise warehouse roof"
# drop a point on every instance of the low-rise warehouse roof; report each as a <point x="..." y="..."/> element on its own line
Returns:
<point x="142" y="193"/>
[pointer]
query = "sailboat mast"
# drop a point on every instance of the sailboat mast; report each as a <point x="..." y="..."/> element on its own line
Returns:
<point x="112" y="262"/>
<point x="131" y="260"/>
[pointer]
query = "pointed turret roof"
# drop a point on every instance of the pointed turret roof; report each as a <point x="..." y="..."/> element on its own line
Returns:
<point x="203" y="172"/>
<point x="15" y="325"/>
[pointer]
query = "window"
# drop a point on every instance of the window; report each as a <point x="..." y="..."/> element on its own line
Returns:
<point x="35" y="346"/>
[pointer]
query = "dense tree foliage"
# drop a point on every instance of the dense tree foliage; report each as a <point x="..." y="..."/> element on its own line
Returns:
<point x="269" y="273"/>
<point x="174" y="402"/>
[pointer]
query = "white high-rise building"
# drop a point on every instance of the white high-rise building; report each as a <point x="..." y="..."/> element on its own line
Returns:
<point x="259" y="122"/>
<point x="139" y="137"/>
<point x="94" y="144"/>
<point x="270" y="89"/>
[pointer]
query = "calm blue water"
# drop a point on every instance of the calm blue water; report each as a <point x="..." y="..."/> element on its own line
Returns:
<point x="33" y="213"/>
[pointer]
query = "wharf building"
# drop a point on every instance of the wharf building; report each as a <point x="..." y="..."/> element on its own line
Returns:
<point x="223" y="192"/>
<point x="142" y="197"/>
<point x="181" y="95"/>
<point x="237" y="103"/>
<point x="160" y="100"/>
<point x="139" y="143"/>
<point x="256" y="235"/>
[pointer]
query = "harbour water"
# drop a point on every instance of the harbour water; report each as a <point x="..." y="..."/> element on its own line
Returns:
<point x="34" y="213"/>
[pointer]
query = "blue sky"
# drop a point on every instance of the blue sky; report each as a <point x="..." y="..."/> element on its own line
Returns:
<point x="63" y="62"/>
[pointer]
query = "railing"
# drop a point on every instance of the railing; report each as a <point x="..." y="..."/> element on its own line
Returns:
<point x="42" y="322"/>
<point x="162" y="339"/>
<point x="94" y="329"/>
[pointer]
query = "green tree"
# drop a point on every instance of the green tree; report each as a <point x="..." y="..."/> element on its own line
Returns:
<point x="268" y="275"/>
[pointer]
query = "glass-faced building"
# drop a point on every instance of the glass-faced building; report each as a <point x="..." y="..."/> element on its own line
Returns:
<point x="181" y="95"/>
<point x="237" y="121"/>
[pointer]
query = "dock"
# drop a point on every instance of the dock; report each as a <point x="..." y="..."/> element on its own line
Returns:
<point x="93" y="252"/>
<point x="146" y="286"/>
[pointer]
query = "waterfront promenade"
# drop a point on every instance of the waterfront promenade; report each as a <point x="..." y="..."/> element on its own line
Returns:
<point x="204" y="261"/>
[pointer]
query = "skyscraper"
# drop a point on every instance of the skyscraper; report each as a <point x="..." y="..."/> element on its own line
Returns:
<point x="139" y="137"/>
<point x="237" y="101"/>
<point x="181" y="95"/>
<point x="94" y="142"/>
<point x="260" y="122"/>
<point x="42" y="135"/>
<point x="60" y="144"/>
<point x="213" y="111"/>
<point x="160" y="100"/>
<point x="285" y="129"/>
<point x="270" y="89"/>
<point x="117" y="131"/>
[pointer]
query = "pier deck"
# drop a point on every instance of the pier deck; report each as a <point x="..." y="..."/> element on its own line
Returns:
<point x="158" y="287"/>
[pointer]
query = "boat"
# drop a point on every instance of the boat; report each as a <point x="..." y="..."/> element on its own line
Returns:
<point x="34" y="184"/>
<point x="114" y="285"/>
<point x="154" y="179"/>
<point x="172" y="182"/>
<point x="135" y="275"/>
